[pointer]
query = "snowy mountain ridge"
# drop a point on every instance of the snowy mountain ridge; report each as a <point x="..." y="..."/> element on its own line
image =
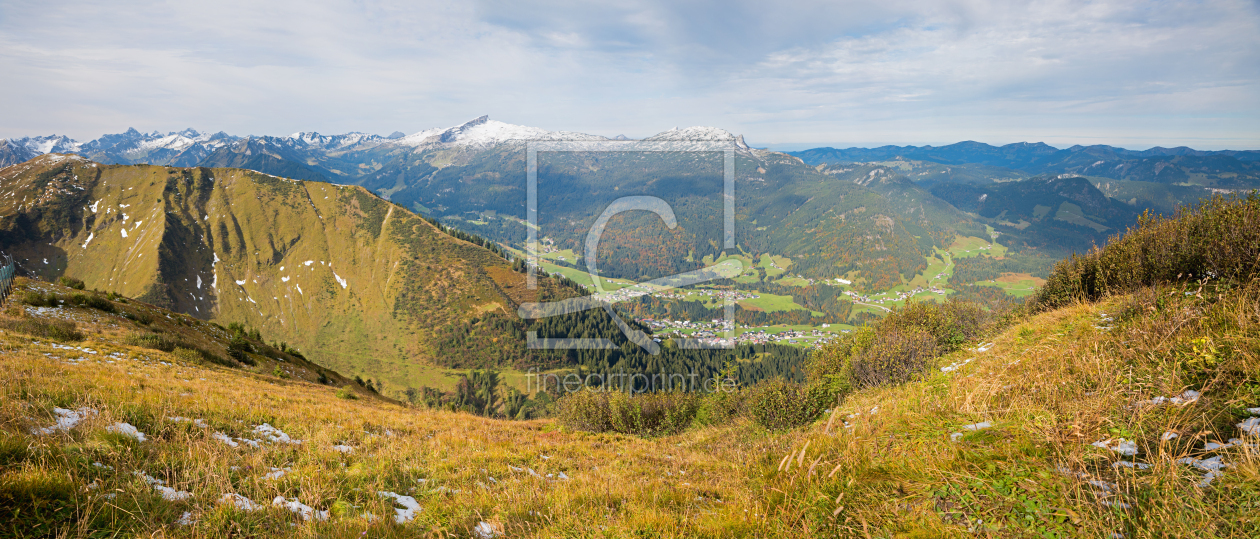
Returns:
<point x="191" y="147"/>
<point x="478" y="132"/>
<point x="483" y="132"/>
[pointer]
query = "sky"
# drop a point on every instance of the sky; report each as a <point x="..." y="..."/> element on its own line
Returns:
<point x="787" y="75"/>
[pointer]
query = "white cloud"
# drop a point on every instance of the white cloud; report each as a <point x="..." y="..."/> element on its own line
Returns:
<point x="826" y="72"/>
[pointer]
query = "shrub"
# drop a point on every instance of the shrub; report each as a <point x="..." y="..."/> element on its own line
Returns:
<point x="179" y="348"/>
<point x="91" y="301"/>
<point x="239" y="349"/>
<point x="721" y="407"/>
<point x="196" y="355"/>
<point x="139" y="318"/>
<point x="652" y="414"/>
<point x="57" y="330"/>
<point x="645" y="414"/>
<point x="1219" y="240"/>
<point x="893" y="357"/>
<point x="187" y="354"/>
<point x="895" y="349"/>
<point x="778" y="404"/>
<point x="346" y="392"/>
<point x="154" y="342"/>
<point x="71" y="282"/>
<point x="584" y="410"/>
<point x="36" y="299"/>
<point x="828" y="367"/>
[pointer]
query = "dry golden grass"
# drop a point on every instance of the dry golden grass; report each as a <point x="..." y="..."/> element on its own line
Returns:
<point x="691" y="485"/>
<point x="1050" y="385"/>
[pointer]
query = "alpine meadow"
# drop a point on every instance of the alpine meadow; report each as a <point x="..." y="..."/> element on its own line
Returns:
<point x="947" y="269"/>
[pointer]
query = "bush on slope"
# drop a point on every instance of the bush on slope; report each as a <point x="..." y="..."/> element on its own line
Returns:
<point x="1217" y="240"/>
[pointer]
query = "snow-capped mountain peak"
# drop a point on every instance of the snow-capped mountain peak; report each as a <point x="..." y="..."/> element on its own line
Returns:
<point x="700" y="133"/>
<point x="48" y="144"/>
<point x="483" y="132"/>
<point x="333" y="142"/>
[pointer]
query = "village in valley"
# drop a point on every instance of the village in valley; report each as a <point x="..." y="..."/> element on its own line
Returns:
<point x="932" y="284"/>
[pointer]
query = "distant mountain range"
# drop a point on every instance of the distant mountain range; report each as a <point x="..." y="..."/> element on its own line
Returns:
<point x="872" y="215"/>
<point x="349" y="156"/>
<point x="1158" y="165"/>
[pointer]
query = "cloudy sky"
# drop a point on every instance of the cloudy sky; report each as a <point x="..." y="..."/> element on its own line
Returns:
<point x="787" y="75"/>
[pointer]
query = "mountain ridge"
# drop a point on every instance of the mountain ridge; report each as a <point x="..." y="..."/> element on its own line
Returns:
<point x="331" y="268"/>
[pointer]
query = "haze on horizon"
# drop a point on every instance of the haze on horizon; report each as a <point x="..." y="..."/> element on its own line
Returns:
<point x="787" y="76"/>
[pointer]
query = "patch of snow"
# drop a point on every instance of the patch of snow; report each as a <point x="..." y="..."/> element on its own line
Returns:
<point x="66" y="420"/>
<point x="1213" y="464"/>
<point x="485" y="530"/>
<point x="955" y="366"/>
<point x="1251" y="426"/>
<point x="1187" y="397"/>
<point x="307" y="512"/>
<point x="169" y="494"/>
<point x="124" y="232"/>
<point x="225" y="439"/>
<point x="1121" y="446"/>
<point x="274" y="435"/>
<point x="127" y="429"/>
<point x="410" y="507"/>
<point x="89" y="239"/>
<point x="197" y="422"/>
<point x="340" y="280"/>
<point x="240" y="283"/>
<point x="1208" y="477"/>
